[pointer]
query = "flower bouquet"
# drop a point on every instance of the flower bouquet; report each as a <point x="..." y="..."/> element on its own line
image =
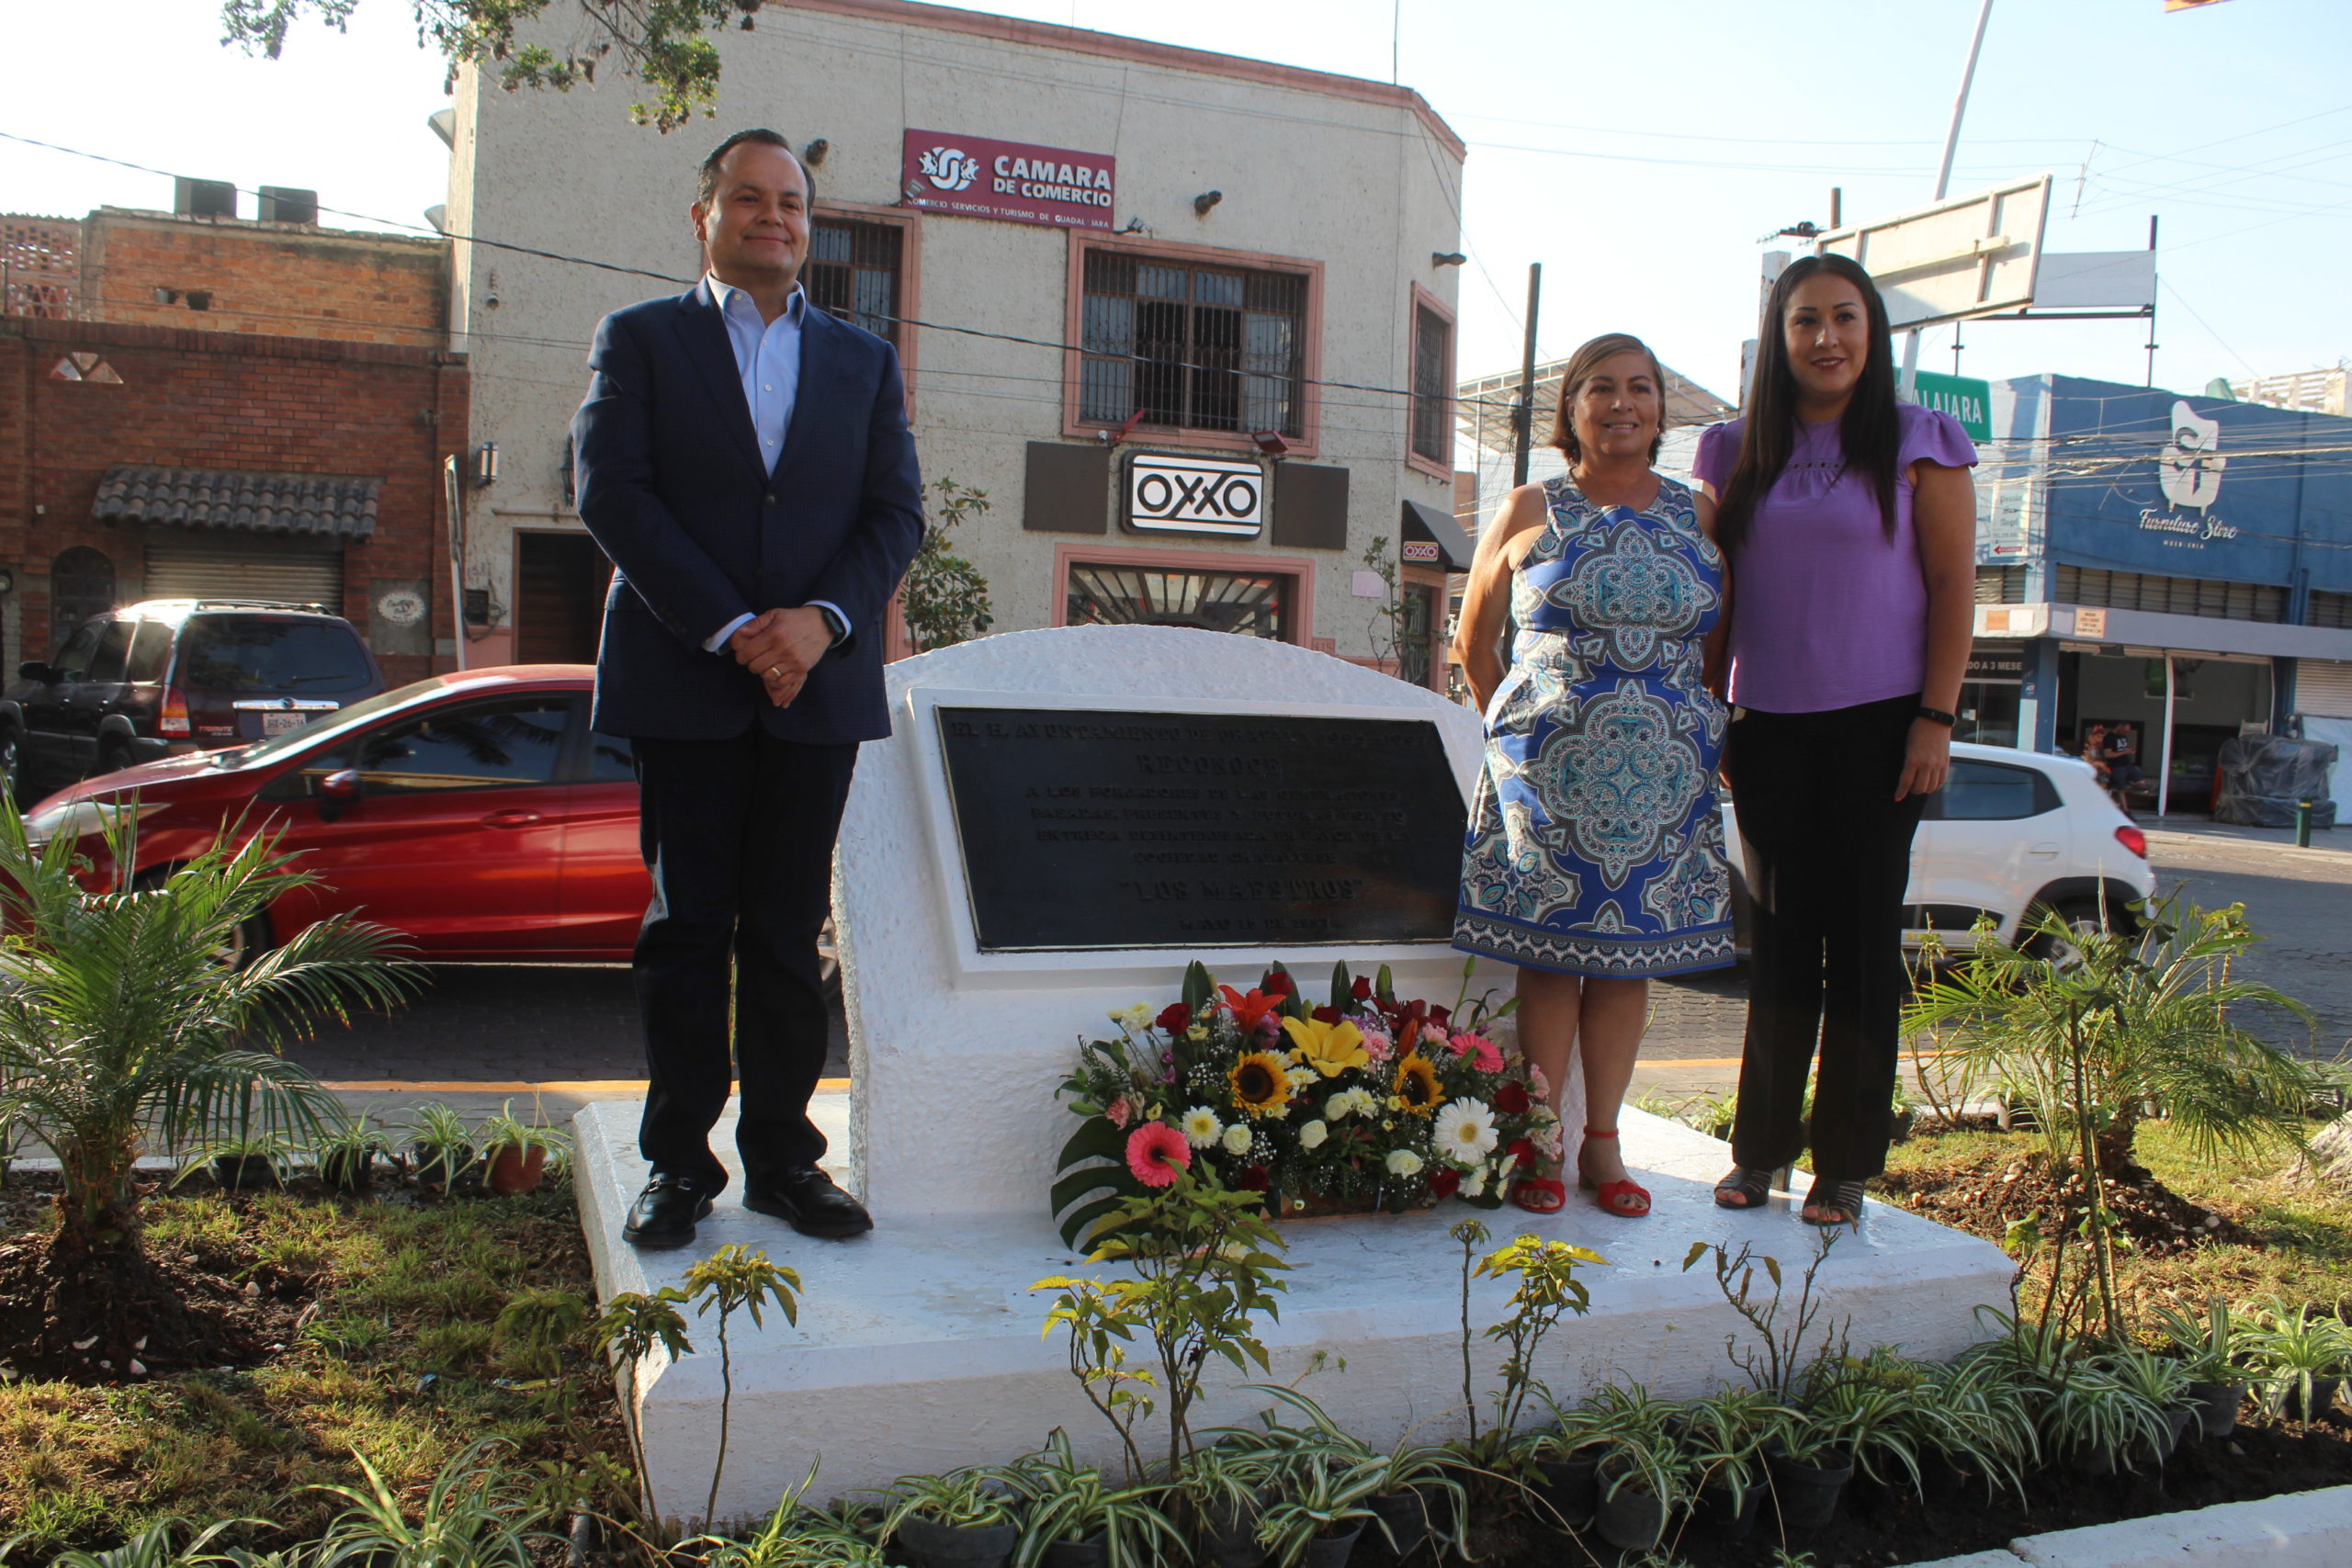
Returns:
<point x="1365" y="1103"/>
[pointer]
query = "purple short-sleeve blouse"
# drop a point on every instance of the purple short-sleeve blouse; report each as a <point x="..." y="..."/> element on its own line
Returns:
<point x="1827" y="609"/>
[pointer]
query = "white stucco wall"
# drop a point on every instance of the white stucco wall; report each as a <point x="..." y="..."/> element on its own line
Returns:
<point x="1367" y="188"/>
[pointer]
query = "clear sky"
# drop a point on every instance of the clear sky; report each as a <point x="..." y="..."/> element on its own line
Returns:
<point x="1638" y="150"/>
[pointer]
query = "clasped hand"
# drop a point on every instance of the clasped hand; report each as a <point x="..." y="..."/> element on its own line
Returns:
<point x="781" y="648"/>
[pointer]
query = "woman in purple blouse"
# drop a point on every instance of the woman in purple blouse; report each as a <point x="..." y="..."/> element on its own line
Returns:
<point x="1849" y="521"/>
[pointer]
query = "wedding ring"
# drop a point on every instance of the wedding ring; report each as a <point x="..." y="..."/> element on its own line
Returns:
<point x="776" y="669"/>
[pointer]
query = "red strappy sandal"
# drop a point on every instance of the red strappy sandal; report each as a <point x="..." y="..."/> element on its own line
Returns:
<point x="1539" y="1195"/>
<point x="1625" y="1198"/>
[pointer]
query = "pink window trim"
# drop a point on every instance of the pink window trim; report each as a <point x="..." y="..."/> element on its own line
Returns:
<point x="1310" y="414"/>
<point x="1298" y="569"/>
<point x="1423" y="299"/>
<point x="909" y="221"/>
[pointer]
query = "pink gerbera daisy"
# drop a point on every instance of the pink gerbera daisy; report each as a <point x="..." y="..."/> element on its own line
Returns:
<point x="1157" y="1152"/>
<point x="1480" y="1050"/>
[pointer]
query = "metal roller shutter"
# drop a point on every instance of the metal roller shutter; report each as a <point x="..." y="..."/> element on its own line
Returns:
<point x="2323" y="688"/>
<point x="297" y="572"/>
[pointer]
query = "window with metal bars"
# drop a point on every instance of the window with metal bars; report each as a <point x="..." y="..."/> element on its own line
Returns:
<point x="1252" y="604"/>
<point x="2171" y="596"/>
<point x="2331" y="609"/>
<point x="1432" y="386"/>
<point x="853" y="273"/>
<point x="1192" y="347"/>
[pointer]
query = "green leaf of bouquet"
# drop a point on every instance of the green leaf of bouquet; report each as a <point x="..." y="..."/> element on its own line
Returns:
<point x="1078" y="1228"/>
<point x="1117" y="1180"/>
<point x="1095" y="1139"/>
<point x="1199" y="987"/>
<point x="1343" y="986"/>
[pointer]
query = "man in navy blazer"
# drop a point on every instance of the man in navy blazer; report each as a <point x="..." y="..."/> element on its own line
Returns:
<point x="744" y="460"/>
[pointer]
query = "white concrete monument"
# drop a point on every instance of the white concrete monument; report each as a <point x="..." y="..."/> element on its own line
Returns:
<point x="918" y="1347"/>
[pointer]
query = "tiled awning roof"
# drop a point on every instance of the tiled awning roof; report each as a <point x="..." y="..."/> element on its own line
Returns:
<point x="215" y="498"/>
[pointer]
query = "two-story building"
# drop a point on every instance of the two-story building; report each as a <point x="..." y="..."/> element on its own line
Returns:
<point x="1186" y="318"/>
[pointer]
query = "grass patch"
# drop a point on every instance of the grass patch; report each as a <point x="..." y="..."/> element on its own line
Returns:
<point x="395" y="1358"/>
<point x="2296" y="1235"/>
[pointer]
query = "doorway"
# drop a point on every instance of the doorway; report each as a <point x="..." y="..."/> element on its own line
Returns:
<point x="559" y="583"/>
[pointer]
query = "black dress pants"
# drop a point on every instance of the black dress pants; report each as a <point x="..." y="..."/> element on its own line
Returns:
<point x="738" y="836"/>
<point x="1828" y="851"/>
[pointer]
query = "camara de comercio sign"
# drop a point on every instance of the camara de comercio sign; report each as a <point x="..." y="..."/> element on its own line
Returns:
<point x="977" y="177"/>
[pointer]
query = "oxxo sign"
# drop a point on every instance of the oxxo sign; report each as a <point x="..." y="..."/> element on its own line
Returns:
<point x="1195" y="495"/>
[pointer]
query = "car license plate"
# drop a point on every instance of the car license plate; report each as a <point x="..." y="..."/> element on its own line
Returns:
<point x="279" y="723"/>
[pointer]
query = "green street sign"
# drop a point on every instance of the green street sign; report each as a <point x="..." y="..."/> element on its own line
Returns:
<point x="1966" y="400"/>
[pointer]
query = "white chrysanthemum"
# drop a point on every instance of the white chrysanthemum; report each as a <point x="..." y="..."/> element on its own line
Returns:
<point x="1200" y="1127"/>
<point x="1301" y="1077"/>
<point x="1350" y="1102"/>
<point x="1465" y="1131"/>
<point x="1311" y="1136"/>
<point x="1237" y="1139"/>
<point x="1404" y="1162"/>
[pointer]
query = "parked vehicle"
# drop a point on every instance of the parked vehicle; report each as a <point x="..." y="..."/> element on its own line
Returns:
<point x="175" y="675"/>
<point x="2011" y="833"/>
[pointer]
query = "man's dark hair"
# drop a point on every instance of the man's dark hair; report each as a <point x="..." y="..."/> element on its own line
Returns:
<point x="709" y="185"/>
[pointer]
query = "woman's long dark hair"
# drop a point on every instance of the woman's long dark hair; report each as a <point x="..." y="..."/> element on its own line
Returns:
<point x="1870" y="432"/>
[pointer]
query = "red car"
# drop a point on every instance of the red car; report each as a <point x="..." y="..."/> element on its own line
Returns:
<point x="475" y="812"/>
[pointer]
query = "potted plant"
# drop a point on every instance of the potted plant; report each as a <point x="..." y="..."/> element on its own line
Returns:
<point x="2208" y="1348"/>
<point x="345" y="1155"/>
<point x="247" y="1162"/>
<point x="2092" y="1420"/>
<point x="1972" y="1417"/>
<point x="515" y="1154"/>
<point x="1422" y="1496"/>
<point x="1318" y="1506"/>
<point x="1226" y="1484"/>
<point x="443" y="1143"/>
<point x="1808" y="1470"/>
<point x="1073" y="1518"/>
<point x="2303" y="1355"/>
<point x="2163" y="1383"/>
<point x="1865" y="1407"/>
<point x="1565" y="1459"/>
<point x="1723" y="1438"/>
<point x="966" y="1518"/>
<point x="1643" y="1474"/>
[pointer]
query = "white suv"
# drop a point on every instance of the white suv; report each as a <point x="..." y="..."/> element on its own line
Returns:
<point x="2011" y="833"/>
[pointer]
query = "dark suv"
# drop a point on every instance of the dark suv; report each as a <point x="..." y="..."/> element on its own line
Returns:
<point x="171" y="675"/>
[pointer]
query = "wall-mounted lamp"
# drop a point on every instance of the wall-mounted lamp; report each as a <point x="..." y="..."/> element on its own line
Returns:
<point x="815" y="151"/>
<point x="1112" y="437"/>
<point x="7" y="580"/>
<point x="1206" y="199"/>
<point x="486" y="465"/>
<point x="1270" y="442"/>
<point x="1136" y="225"/>
<point x="1447" y="258"/>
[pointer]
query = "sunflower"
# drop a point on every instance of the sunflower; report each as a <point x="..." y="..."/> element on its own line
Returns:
<point x="1260" y="1084"/>
<point x="1417" y="1087"/>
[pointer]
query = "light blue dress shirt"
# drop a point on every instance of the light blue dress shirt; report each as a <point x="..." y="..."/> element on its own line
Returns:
<point x="767" y="357"/>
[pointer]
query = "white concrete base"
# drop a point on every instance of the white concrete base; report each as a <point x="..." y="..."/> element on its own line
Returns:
<point x="919" y="1349"/>
<point x="2296" y="1529"/>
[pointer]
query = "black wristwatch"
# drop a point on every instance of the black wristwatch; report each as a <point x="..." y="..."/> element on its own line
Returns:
<point x="1937" y="715"/>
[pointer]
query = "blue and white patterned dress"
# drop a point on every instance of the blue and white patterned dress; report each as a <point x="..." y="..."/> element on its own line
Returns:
<point x="1595" y="845"/>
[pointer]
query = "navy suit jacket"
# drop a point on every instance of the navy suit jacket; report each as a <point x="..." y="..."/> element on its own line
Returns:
<point x="672" y="486"/>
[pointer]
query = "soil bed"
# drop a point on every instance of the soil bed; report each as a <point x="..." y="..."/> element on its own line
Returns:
<point x="1986" y="1199"/>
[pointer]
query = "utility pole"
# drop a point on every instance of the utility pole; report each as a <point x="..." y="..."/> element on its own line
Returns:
<point x="1522" y="414"/>
<point x="2152" y="303"/>
<point x="1943" y="173"/>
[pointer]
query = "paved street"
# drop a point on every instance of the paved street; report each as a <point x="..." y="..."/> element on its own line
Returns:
<point x="567" y="1034"/>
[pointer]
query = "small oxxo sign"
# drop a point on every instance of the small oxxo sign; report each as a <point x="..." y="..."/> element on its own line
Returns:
<point x="1420" y="551"/>
<point x="978" y="176"/>
<point x="1168" y="494"/>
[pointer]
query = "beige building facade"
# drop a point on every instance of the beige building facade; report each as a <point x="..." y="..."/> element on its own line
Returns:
<point x="1185" y="319"/>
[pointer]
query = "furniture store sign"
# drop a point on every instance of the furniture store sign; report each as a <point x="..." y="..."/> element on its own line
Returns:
<point x="1168" y="494"/>
<point x="977" y="177"/>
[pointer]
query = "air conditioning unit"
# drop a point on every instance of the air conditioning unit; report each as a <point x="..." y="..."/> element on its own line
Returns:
<point x="289" y="204"/>
<point x="203" y="198"/>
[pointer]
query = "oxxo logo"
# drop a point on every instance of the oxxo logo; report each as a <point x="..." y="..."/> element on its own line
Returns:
<point x="1195" y="495"/>
<point x="950" y="168"/>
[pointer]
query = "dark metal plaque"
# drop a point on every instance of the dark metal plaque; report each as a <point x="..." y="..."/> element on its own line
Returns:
<point x="1095" y="828"/>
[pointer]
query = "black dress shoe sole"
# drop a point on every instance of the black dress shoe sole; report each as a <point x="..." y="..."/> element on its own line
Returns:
<point x="779" y="1207"/>
<point x="665" y="1240"/>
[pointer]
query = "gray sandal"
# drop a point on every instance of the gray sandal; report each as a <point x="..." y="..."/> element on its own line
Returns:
<point x="1840" y="1199"/>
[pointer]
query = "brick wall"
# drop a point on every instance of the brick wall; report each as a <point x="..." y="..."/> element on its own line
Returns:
<point x="223" y="401"/>
<point x="271" y="279"/>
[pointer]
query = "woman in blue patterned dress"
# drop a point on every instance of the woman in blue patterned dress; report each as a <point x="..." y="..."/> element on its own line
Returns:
<point x="1596" y="854"/>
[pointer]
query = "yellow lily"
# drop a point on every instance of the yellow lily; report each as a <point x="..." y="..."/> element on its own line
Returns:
<point x="1330" y="1048"/>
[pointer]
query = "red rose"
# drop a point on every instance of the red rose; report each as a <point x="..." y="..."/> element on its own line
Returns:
<point x="1511" y="1099"/>
<point x="1174" y="1018"/>
<point x="1252" y="1179"/>
<point x="1327" y="1015"/>
<point x="1523" y="1151"/>
<point x="1362" y="990"/>
<point x="1443" y="1180"/>
<point x="1277" y="984"/>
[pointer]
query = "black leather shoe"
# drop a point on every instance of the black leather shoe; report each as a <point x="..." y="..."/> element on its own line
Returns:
<point x="663" y="1215"/>
<point x="810" y="1203"/>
